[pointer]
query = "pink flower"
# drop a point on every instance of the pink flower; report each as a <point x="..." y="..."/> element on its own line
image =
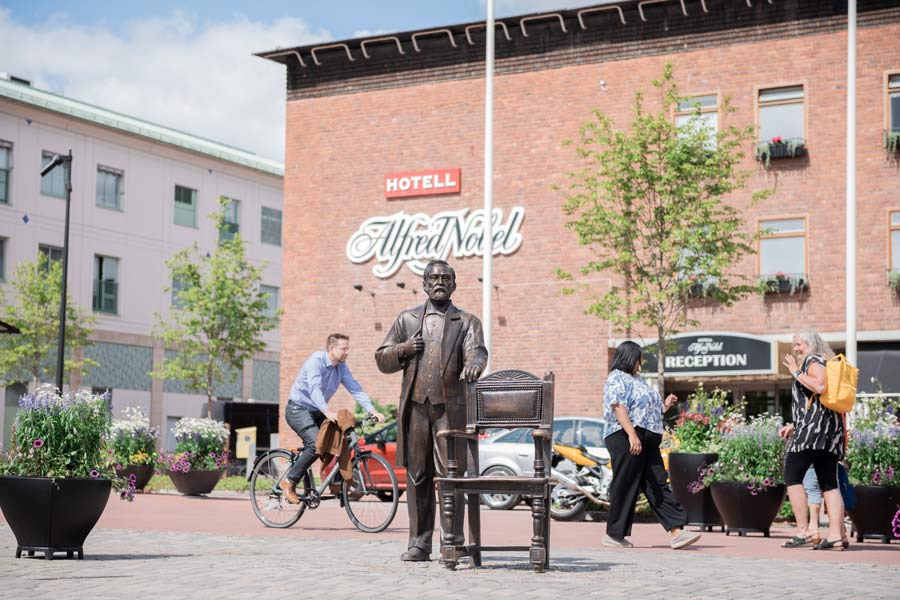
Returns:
<point x="95" y="473"/>
<point x="38" y="443"/>
<point x="776" y="139"/>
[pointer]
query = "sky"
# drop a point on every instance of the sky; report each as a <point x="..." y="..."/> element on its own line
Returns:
<point x="189" y="65"/>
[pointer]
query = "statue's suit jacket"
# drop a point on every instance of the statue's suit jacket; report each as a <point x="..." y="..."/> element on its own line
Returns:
<point x="462" y="344"/>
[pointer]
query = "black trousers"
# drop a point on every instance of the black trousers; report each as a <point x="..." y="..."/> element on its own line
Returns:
<point x="642" y="473"/>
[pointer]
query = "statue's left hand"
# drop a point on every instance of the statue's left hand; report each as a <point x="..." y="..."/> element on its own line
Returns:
<point x="471" y="373"/>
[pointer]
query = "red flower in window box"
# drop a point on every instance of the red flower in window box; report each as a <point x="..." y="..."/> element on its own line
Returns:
<point x="776" y="139"/>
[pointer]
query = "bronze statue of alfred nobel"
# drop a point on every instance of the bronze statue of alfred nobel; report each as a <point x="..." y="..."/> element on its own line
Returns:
<point x="439" y="348"/>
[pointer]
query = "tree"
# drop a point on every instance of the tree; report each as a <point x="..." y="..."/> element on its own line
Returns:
<point x="218" y="314"/>
<point x="653" y="204"/>
<point x="31" y="354"/>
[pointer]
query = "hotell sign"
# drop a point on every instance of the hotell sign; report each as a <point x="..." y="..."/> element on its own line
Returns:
<point x="714" y="354"/>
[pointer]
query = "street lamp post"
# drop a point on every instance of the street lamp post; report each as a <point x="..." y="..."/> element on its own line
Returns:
<point x="66" y="161"/>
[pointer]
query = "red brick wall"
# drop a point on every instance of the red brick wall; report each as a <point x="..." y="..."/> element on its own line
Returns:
<point x="339" y="148"/>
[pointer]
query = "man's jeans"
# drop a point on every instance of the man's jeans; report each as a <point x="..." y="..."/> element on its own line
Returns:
<point x="306" y="422"/>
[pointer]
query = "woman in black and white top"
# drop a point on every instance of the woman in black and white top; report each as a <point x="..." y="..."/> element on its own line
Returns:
<point x="817" y="439"/>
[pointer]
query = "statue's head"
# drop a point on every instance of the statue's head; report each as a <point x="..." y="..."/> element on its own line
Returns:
<point x="439" y="281"/>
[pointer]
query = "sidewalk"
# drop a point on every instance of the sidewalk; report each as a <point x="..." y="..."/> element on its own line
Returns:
<point x="165" y="546"/>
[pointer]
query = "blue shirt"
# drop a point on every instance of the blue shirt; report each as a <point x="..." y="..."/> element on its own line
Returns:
<point x="319" y="380"/>
<point x="642" y="402"/>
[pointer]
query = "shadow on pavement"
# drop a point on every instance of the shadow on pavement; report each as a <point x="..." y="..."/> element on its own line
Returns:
<point x="558" y="564"/>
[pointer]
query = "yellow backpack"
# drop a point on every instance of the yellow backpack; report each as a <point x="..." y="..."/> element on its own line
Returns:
<point x="840" y="387"/>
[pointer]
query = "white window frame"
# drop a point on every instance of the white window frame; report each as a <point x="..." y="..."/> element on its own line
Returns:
<point x="120" y="187"/>
<point x="262" y="228"/>
<point x="175" y="203"/>
<point x="59" y="171"/>
<point x="801" y="233"/>
<point x="6" y="170"/>
<point x="687" y="110"/>
<point x="788" y="90"/>
<point x="99" y="282"/>
<point x="274" y="294"/>
<point x="232" y="228"/>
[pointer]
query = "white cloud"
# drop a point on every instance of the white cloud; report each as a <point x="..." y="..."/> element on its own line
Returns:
<point x="201" y="78"/>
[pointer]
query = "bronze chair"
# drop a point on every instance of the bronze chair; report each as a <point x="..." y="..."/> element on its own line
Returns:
<point x="502" y="399"/>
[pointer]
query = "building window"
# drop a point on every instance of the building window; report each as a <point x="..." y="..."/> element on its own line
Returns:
<point x="106" y="284"/>
<point x="271" y="226"/>
<point x="689" y="121"/>
<point x="179" y="284"/>
<point x="895" y="241"/>
<point x="231" y="225"/>
<point x="781" y="114"/>
<point x="54" y="182"/>
<point x="109" y="187"/>
<point x="185" y="206"/>
<point x="2" y="259"/>
<point x="273" y="299"/>
<point x="5" y="168"/>
<point x="893" y="134"/>
<point x="782" y="248"/>
<point x="51" y="254"/>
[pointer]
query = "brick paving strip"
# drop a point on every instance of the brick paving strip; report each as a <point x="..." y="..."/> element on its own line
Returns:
<point x="155" y="564"/>
<point x="174" y="547"/>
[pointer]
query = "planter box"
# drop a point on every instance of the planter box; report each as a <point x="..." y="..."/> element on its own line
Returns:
<point x="196" y="483"/>
<point x="700" y="508"/>
<point x="778" y="150"/>
<point x="875" y="509"/>
<point x="142" y="474"/>
<point x="783" y="286"/>
<point x="52" y="515"/>
<point x="744" y="512"/>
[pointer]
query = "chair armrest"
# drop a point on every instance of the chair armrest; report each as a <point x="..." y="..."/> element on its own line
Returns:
<point x="457" y="433"/>
<point x="543" y="434"/>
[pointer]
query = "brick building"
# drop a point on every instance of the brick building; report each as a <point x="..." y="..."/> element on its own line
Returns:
<point x="361" y="110"/>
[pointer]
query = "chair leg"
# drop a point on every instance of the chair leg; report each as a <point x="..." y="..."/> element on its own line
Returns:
<point x="449" y="553"/>
<point x="538" y="553"/>
<point x="474" y="502"/>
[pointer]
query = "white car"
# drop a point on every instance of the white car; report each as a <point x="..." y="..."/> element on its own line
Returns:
<point x="512" y="453"/>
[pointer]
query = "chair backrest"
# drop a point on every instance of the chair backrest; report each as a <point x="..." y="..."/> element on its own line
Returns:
<point x="510" y="399"/>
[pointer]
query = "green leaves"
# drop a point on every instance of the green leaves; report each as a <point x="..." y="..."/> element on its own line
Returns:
<point x="653" y="202"/>
<point x="34" y="309"/>
<point x="218" y="316"/>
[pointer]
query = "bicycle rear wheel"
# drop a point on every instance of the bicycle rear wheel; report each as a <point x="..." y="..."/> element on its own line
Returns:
<point x="266" y="497"/>
<point x="363" y="496"/>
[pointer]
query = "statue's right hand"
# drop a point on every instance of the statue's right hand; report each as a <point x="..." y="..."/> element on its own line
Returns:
<point x="413" y="345"/>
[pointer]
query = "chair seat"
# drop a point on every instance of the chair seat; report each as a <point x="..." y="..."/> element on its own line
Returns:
<point x="534" y="485"/>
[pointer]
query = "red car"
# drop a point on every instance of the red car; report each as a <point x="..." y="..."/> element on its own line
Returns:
<point x="384" y="442"/>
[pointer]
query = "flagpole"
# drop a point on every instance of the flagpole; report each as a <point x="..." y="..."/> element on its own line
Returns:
<point x="488" y="245"/>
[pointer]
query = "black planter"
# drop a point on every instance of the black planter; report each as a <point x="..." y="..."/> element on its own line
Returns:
<point x="142" y="474"/>
<point x="52" y="515"/>
<point x="700" y="508"/>
<point x="196" y="483"/>
<point x="875" y="509"/>
<point x="742" y="511"/>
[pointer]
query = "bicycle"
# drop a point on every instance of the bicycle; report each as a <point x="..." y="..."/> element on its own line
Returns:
<point x="370" y="496"/>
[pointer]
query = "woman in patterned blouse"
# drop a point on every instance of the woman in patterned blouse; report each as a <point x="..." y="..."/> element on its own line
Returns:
<point x="817" y="439"/>
<point x="633" y="412"/>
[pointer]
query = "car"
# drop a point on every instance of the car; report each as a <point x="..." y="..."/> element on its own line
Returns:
<point x="384" y="442"/>
<point x="512" y="452"/>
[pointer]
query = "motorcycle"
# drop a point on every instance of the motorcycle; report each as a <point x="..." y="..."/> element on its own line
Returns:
<point x="589" y="484"/>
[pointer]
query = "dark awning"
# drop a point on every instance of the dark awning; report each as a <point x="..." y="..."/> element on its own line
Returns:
<point x="884" y="366"/>
<point x="7" y="328"/>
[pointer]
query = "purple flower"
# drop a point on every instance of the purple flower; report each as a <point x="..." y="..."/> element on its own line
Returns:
<point x="132" y="477"/>
<point x="95" y="473"/>
<point x="876" y="479"/>
<point x="38" y="443"/>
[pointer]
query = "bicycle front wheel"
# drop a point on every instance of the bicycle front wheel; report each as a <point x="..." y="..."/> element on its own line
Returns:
<point x="266" y="497"/>
<point x="364" y="494"/>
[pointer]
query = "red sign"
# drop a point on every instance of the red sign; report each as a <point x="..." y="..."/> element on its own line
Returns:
<point x="421" y="183"/>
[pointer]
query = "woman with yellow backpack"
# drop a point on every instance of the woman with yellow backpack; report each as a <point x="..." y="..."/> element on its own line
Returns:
<point x="816" y="438"/>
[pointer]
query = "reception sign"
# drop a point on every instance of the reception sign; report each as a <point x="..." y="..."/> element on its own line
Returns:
<point x="714" y="354"/>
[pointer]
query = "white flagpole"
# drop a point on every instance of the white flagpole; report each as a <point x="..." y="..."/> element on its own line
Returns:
<point x="487" y="274"/>
<point x="850" y="350"/>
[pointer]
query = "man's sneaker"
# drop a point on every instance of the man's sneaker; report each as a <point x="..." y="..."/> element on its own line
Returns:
<point x="685" y="538"/>
<point x="288" y="488"/>
<point x="611" y="542"/>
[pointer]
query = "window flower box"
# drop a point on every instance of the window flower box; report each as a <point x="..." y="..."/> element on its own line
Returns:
<point x="779" y="147"/>
<point x="701" y="289"/>
<point x="783" y="283"/>
<point x="893" y="277"/>
<point x="892" y="141"/>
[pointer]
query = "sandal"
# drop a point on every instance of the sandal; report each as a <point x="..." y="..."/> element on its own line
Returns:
<point x="830" y="545"/>
<point x="798" y="541"/>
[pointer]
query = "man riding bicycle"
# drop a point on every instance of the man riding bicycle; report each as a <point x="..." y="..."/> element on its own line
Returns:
<point x="307" y="406"/>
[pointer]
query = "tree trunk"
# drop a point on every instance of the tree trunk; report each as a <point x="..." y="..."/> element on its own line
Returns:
<point x="209" y="393"/>
<point x="660" y="358"/>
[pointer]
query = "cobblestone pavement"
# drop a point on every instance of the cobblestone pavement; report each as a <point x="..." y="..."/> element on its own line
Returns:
<point x="122" y="563"/>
